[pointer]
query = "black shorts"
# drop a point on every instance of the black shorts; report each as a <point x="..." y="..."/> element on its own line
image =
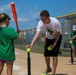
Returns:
<point x="55" y="51"/>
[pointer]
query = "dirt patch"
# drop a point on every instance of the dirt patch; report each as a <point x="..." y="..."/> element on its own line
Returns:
<point x="38" y="64"/>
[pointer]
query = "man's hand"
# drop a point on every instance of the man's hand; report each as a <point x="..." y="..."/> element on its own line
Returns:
<point x="74" y="37"/>
<point x="18" y="31"/>
<point x="53" y="46"/>
<point x="29" y="46"/>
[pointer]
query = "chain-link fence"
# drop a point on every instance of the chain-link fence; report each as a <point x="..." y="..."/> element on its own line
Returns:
<point x="66" y="24"/>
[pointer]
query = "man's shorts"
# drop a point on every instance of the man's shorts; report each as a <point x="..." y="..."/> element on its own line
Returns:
<point x="55" y="51"/>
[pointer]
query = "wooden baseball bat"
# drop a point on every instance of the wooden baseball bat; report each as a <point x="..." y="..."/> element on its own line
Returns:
<point x="14" y="14"/>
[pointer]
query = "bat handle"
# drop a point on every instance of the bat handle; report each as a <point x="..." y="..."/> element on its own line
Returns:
<point x="18" y="29"/>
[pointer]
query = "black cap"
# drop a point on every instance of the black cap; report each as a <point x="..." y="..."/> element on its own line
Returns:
<point x="4" y="16"/>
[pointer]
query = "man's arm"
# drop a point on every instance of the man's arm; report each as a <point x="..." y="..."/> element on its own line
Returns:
<point x="57" y="32"/>
<point x="57" y="37"/>
<point x="56" y="40"/>
<point x="20" y="35"/>
<point x="73" y="37"/>
<point x="35" y="37"/>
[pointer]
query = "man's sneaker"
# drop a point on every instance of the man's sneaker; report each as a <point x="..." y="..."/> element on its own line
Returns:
<point x="47" y="71"/>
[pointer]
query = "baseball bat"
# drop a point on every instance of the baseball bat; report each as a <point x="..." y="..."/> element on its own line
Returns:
<point x="14" y="14"/>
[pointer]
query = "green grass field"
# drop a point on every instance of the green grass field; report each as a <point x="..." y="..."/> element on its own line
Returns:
<point x="39" y="48"/>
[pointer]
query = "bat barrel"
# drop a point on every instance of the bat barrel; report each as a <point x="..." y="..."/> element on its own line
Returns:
<point x="29" y="64"/>
<point x="14" y="13"/>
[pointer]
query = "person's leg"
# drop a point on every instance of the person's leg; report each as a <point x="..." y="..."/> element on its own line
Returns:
<point x="48" y="54"/>
<point x="1" y="67"/>
<point x="10" y="68"/>
<point x="73" y="52"/>
<point x="55" y="62"/>
<point x="55" y="55"/>
<point x="47" y="60"/>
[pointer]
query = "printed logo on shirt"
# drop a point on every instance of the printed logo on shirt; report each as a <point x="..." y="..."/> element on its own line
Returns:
<point x="50" y="30"/>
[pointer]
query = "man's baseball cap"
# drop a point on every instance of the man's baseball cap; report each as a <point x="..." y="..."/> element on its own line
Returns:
<point x="4" y="16"/>
<point x="74" y="27"/>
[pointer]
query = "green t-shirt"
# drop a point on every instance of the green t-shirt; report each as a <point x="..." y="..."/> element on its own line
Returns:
<point x="7" y="36"/>
<point x="74" y="40"/>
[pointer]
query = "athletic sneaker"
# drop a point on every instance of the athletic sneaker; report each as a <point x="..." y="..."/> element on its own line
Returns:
<point x="47" y="70"/>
